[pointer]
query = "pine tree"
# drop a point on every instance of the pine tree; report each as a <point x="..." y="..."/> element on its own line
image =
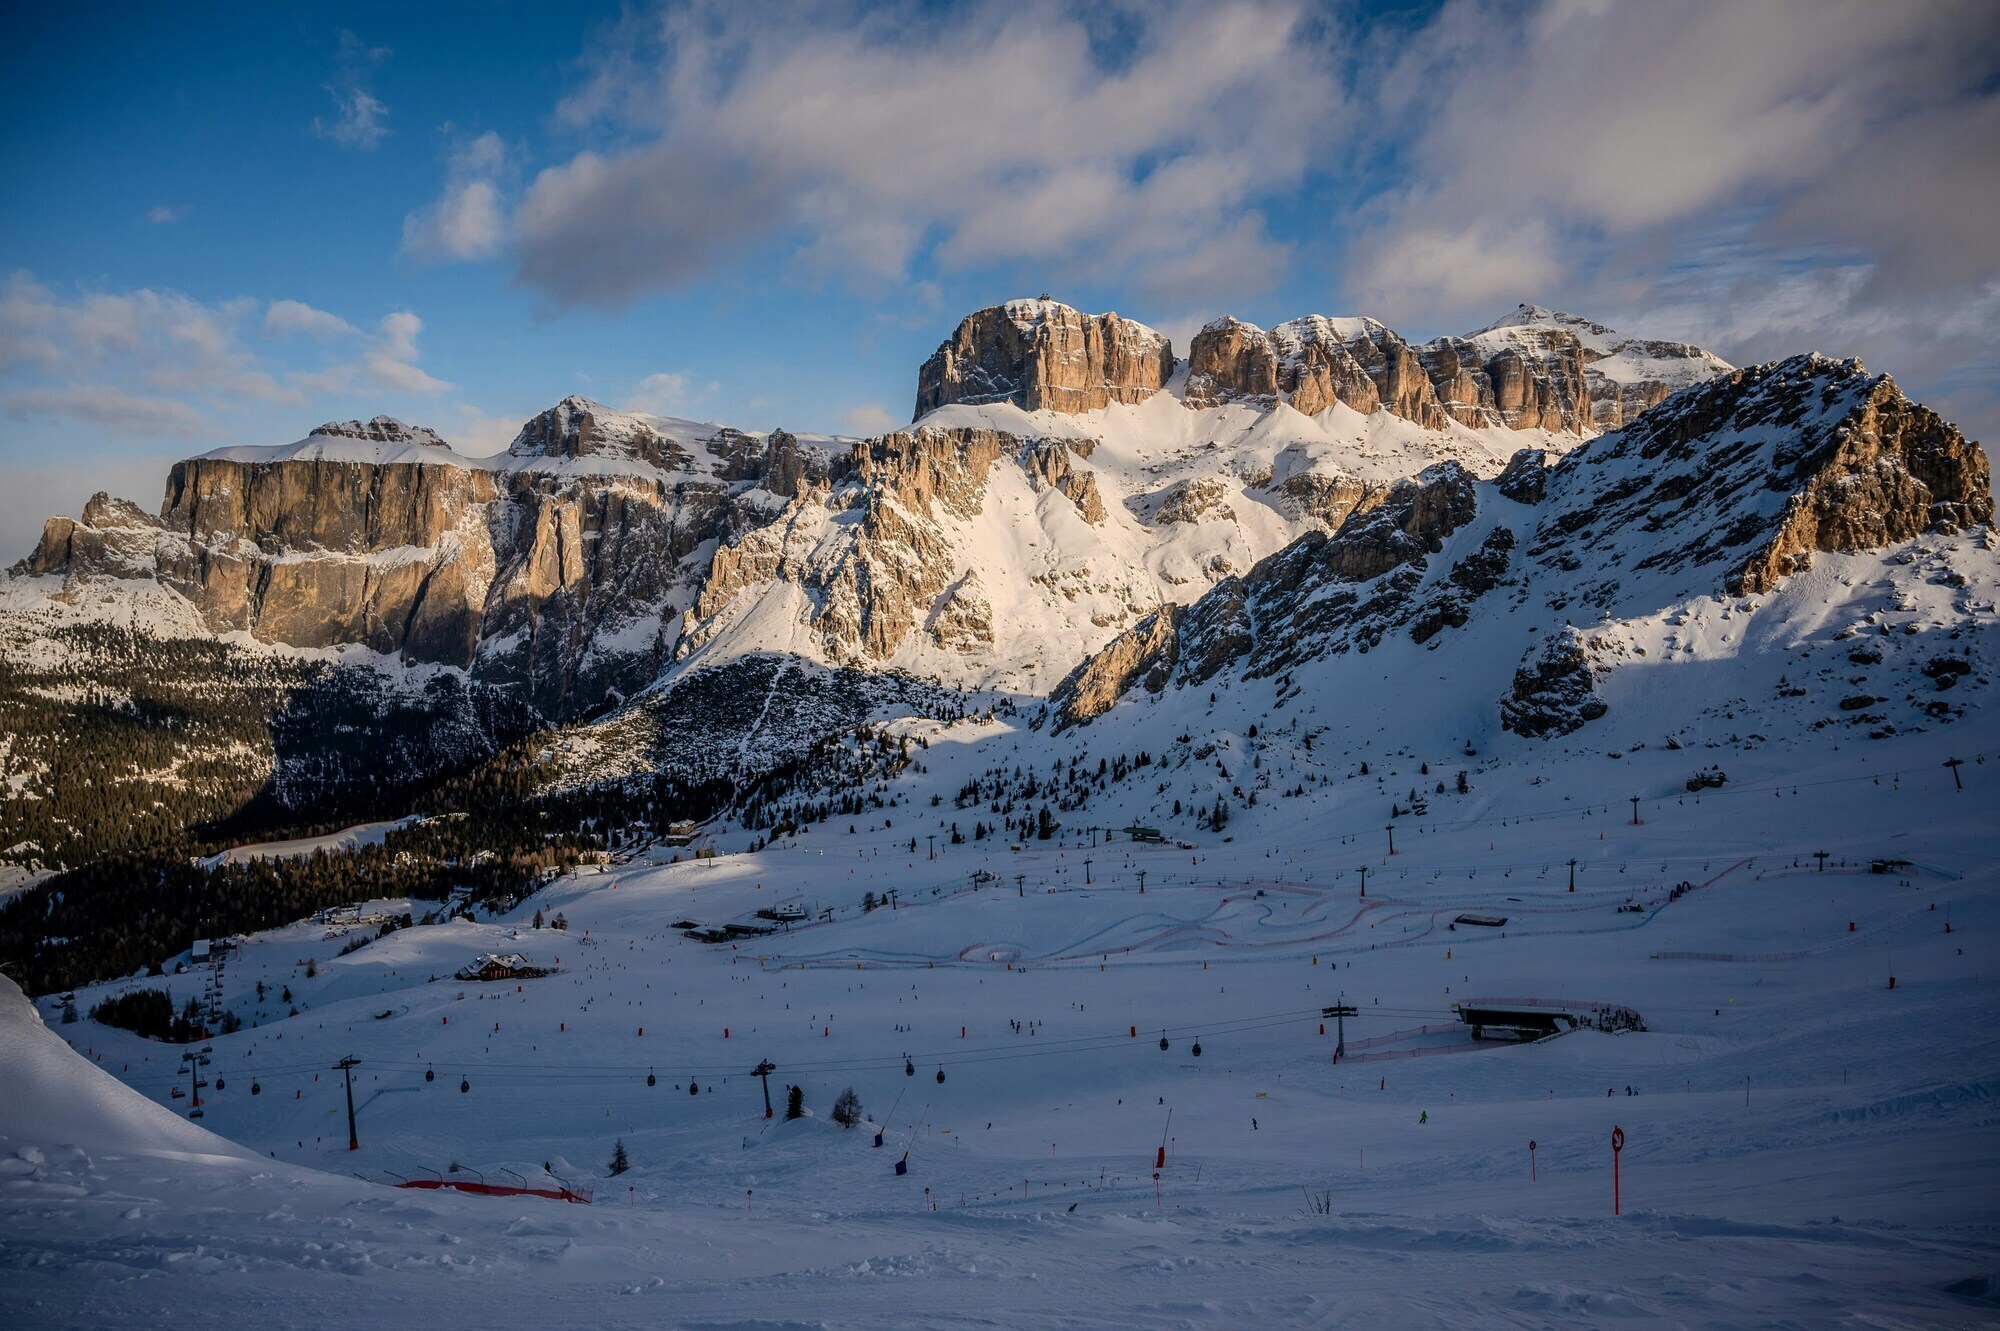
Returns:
<point x="795" y="1103"/>
<point x="619" y="1162"/>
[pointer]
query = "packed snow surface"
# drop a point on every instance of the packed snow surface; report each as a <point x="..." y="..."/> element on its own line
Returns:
<point x="1804" y="1145"/>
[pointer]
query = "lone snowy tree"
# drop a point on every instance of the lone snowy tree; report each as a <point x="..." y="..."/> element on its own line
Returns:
<point x="847" y="1108"/>
<point x="795" y="1103"/>
<point x="619" y="1162"/>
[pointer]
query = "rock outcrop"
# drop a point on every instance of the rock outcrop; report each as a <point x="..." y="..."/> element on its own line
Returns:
<point x="1308" y="599"/>
<point x="1042" y="354"/>
<point x="885" y="577"/>
<point x="113" y="538"/>
<point x="1888" y="470"/>
<point x="1526" y="477"/>
<point x="1144" y="654"/>
<point x="1049" y="463"/>
<point x="1737" y="482"/>
<point x="1537" y="369"/>
<point x="1554" y="691"/>
<point x="555" y="569"/>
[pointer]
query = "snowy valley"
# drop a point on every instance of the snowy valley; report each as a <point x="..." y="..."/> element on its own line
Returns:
<point x="1245" y="728"/>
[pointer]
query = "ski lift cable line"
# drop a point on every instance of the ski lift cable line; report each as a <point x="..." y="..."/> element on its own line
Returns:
<point x="982" y="1054"/>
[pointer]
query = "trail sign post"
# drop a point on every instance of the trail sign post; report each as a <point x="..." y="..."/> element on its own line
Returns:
<point x="1617" y="1145"/>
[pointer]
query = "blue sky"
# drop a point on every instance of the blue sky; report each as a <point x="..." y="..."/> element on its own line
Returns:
<point x="228" y="223"/>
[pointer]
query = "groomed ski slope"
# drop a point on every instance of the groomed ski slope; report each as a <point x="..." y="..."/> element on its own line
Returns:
<point x="1806" y="1146"/>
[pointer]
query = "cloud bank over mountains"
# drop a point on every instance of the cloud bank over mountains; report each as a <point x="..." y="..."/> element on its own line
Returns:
<point x="1761" y="180"/>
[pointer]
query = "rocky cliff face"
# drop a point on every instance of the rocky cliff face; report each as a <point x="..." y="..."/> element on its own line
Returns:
<point x="1725" y="489"/>
<point x="1537" y="369"/>
<point x="605" y="546"/>
<point x="869" y="590"/>
<point x="1553" y="692"/>
<point x="1289" y="607"/>
<point x="1744" y="478"/>
<point x="555" y="569"/>
<point x="1041" y="354"/>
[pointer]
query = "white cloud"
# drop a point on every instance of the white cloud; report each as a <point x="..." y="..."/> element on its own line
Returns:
<point x="392" y="362"/>
<point x="860" y="139"/>
<point x="468" y="219"/>
<point x="158" y="341"/>
<point x="389" y="363"/>
<point x="659" y="394"/>
<point x="285" y="317"/>
<point x="1571" y="139"/>
<point x="358" y="123"/>
<point x="480" y="435"/>
<point x="107" y="408"/>
<point x="870" y="418"/>
<point x="1764" y="179"/>
<point x="159" y="363"/>
<point x="166" y="214"/>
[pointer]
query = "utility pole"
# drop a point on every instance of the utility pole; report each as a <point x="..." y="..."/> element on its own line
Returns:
<point x="1821" y="856"/>
<point x="1142" y="882"/>
<point x="1364" y="882"/>
<point x="1340" y="1012"/>
<point x="1093" y="838"/>
<point x="1572" y="875"/>
<point x="1020" y="885"/>
<point x="892" y="898"/>
<point x="194" y="1079"/>
<point x="1391" y="830"/>
<point x="1086" y="871"/>
<point x="763" y="1072"/>
<point x="1954" y="764"/>
<point x="346" y="1068"/>
<point x="1635" y="810"/>
<point x="932" y="838"/>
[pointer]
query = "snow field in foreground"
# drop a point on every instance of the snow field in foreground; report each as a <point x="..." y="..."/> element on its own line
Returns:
<point x="1855" y="1186"/>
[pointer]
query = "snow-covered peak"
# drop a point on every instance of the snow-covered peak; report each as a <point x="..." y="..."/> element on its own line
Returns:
<point x="1539" y="316"/>
<point x="1029" y="315"/>
<point x="1294" y="336"/>
<point x="382" y="441"/>
<point x="1608" y="354"/>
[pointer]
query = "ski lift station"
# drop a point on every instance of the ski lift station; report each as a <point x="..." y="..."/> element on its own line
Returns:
<point x="1536" y="1019"/>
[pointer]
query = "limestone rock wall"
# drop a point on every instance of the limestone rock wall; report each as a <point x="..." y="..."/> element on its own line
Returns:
<point x="1890" y="470"/>
<point x="1041" y="354"/>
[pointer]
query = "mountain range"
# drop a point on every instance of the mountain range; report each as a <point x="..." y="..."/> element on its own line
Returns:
<point x="1079" y="524"/>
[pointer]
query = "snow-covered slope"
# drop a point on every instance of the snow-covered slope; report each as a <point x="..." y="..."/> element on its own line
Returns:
<point x="56" y="1099"/>
<point x="1803" y="1145"/>
<point x="1536" y="587"/>
<point x="1056" y="530"/>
